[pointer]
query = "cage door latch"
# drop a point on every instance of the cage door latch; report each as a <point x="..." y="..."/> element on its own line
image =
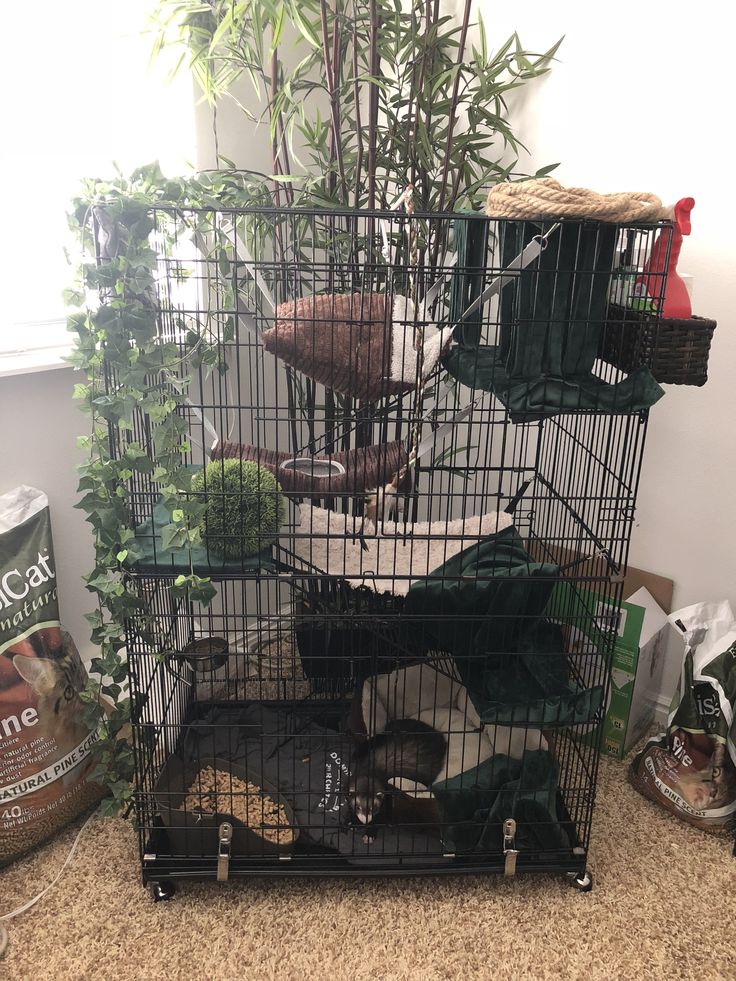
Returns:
<point x="225" y="838"/>
<point x="509" y="850"/>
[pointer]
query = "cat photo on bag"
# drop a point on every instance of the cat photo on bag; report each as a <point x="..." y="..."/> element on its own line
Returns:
<point x="691" y="769"/>
<point x="45" y="747"/>
<point x="56" y="676"/>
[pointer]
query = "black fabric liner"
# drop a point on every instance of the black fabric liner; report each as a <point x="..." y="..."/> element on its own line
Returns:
<point x="309" y="762"/>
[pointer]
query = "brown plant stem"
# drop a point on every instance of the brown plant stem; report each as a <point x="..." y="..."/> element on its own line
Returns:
<point x="431" y="16"/>
<point x="336" y="137"/>
<point x="358" y="124"/>
<point x="274" y="142"/>
<point x="456" y="183"/>
<point x="453" y="103"/>
<point x="284" y="149"/>
<point x="416" y="87"/>
<point x="373" y="104"/>
<point x="278" y="240"/>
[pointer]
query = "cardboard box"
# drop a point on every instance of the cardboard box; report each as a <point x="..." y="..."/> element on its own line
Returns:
<point x="636" y="673"/>
<point x="637" y="659"/>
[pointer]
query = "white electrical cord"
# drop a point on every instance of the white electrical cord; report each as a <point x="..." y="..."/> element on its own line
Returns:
<point x="32" y="902"/>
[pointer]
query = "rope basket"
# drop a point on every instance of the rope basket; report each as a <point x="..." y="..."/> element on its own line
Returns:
<point x="676" y="351"/>
<point x="545" y="197"/>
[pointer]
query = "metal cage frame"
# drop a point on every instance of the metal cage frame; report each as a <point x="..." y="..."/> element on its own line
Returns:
<point x="297" y="638"/>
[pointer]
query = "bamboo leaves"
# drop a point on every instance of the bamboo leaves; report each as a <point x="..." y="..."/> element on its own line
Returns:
<point x="365" y="97"/>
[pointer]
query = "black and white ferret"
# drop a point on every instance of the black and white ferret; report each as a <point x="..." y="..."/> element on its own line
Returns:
<point x="406" y="748"/>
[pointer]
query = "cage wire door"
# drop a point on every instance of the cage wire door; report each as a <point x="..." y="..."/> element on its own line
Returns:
<point x="407" y="673"/>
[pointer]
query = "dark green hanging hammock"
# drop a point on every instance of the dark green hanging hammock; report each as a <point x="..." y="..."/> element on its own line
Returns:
<point x="485" y="606"/>
<point x="552" y="318"/>
<point x="471" y="244"/>
<point x="474" y="804"/>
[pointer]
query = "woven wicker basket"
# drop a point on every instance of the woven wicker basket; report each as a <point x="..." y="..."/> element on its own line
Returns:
<point x="676" y="351"/>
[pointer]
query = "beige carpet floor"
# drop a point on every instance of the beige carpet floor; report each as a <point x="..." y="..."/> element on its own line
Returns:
<point x="663" y="906"/>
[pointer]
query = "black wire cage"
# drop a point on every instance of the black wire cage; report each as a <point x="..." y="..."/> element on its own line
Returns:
<point x="418" y="478"/>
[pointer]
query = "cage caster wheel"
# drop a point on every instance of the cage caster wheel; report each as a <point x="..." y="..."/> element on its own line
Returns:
<point x="582" y="881"/>
<point x="161" y="891"/>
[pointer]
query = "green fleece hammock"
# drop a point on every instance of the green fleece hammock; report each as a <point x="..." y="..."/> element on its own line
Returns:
<point x="474" y="804"/>
<point x="551" y="324"/>
<point x="155" y="557"/>
<point x="485" y="606"/>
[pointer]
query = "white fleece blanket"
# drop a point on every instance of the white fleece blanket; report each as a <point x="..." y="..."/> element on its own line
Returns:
<point x="422" y="692"/>
<point x="392" y="560"/>
<point x="404" y="358"/>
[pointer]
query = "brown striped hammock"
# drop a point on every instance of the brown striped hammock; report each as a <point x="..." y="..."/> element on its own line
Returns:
<point x="359" y="344"/>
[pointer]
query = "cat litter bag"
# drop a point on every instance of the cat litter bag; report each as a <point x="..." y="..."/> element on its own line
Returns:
<point x="691" y="770"/>
<point x="45" y="750"/>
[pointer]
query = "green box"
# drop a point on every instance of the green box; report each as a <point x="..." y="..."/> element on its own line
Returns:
<point x="637" y="661"/>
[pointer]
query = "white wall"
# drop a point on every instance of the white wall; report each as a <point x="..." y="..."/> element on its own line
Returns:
<point x="639" y="101"/>
<point x="83" y="96"/>
<point x="238" y="139"/>
<point x="83" y="99"/>
<point x="38" y="447"/>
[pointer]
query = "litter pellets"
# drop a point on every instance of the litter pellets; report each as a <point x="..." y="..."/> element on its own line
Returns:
<point x="219" y="792"/>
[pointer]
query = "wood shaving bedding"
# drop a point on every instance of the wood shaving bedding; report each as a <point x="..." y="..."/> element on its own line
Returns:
<point x="219" y="792"/>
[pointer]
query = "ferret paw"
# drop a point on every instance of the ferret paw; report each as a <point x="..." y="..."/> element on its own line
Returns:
<point x="368" y="839"/>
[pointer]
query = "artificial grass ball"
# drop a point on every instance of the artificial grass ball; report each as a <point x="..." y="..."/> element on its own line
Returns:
<point x="244" y="507"/>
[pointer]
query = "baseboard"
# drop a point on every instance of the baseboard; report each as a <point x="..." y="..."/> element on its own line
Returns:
<point x="663" y="709"/>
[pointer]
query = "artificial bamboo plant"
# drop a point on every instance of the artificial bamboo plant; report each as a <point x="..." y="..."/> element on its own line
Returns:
<point x="362" y="98"/>
<point x="358" y="100"/>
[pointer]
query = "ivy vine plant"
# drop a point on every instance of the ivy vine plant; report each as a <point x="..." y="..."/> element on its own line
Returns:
<point x="137" y="381"/>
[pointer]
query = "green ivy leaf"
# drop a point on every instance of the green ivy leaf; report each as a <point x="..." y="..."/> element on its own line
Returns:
<point x="73" y="297"/>
<point x="193" y="588"/>
<point x="202" y="591"/>
<point x="173" y="536"/>
<point x="108" y="583"/>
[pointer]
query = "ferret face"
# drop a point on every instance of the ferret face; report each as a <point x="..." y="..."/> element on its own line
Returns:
<point x="366" y="806"/>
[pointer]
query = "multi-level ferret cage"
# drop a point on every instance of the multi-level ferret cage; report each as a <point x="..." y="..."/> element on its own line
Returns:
<point x="457" y="452"/>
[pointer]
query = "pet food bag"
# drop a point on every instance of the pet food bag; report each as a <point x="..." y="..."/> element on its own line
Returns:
<point x="45" y="750"/>
<point x="691" y="770"/>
